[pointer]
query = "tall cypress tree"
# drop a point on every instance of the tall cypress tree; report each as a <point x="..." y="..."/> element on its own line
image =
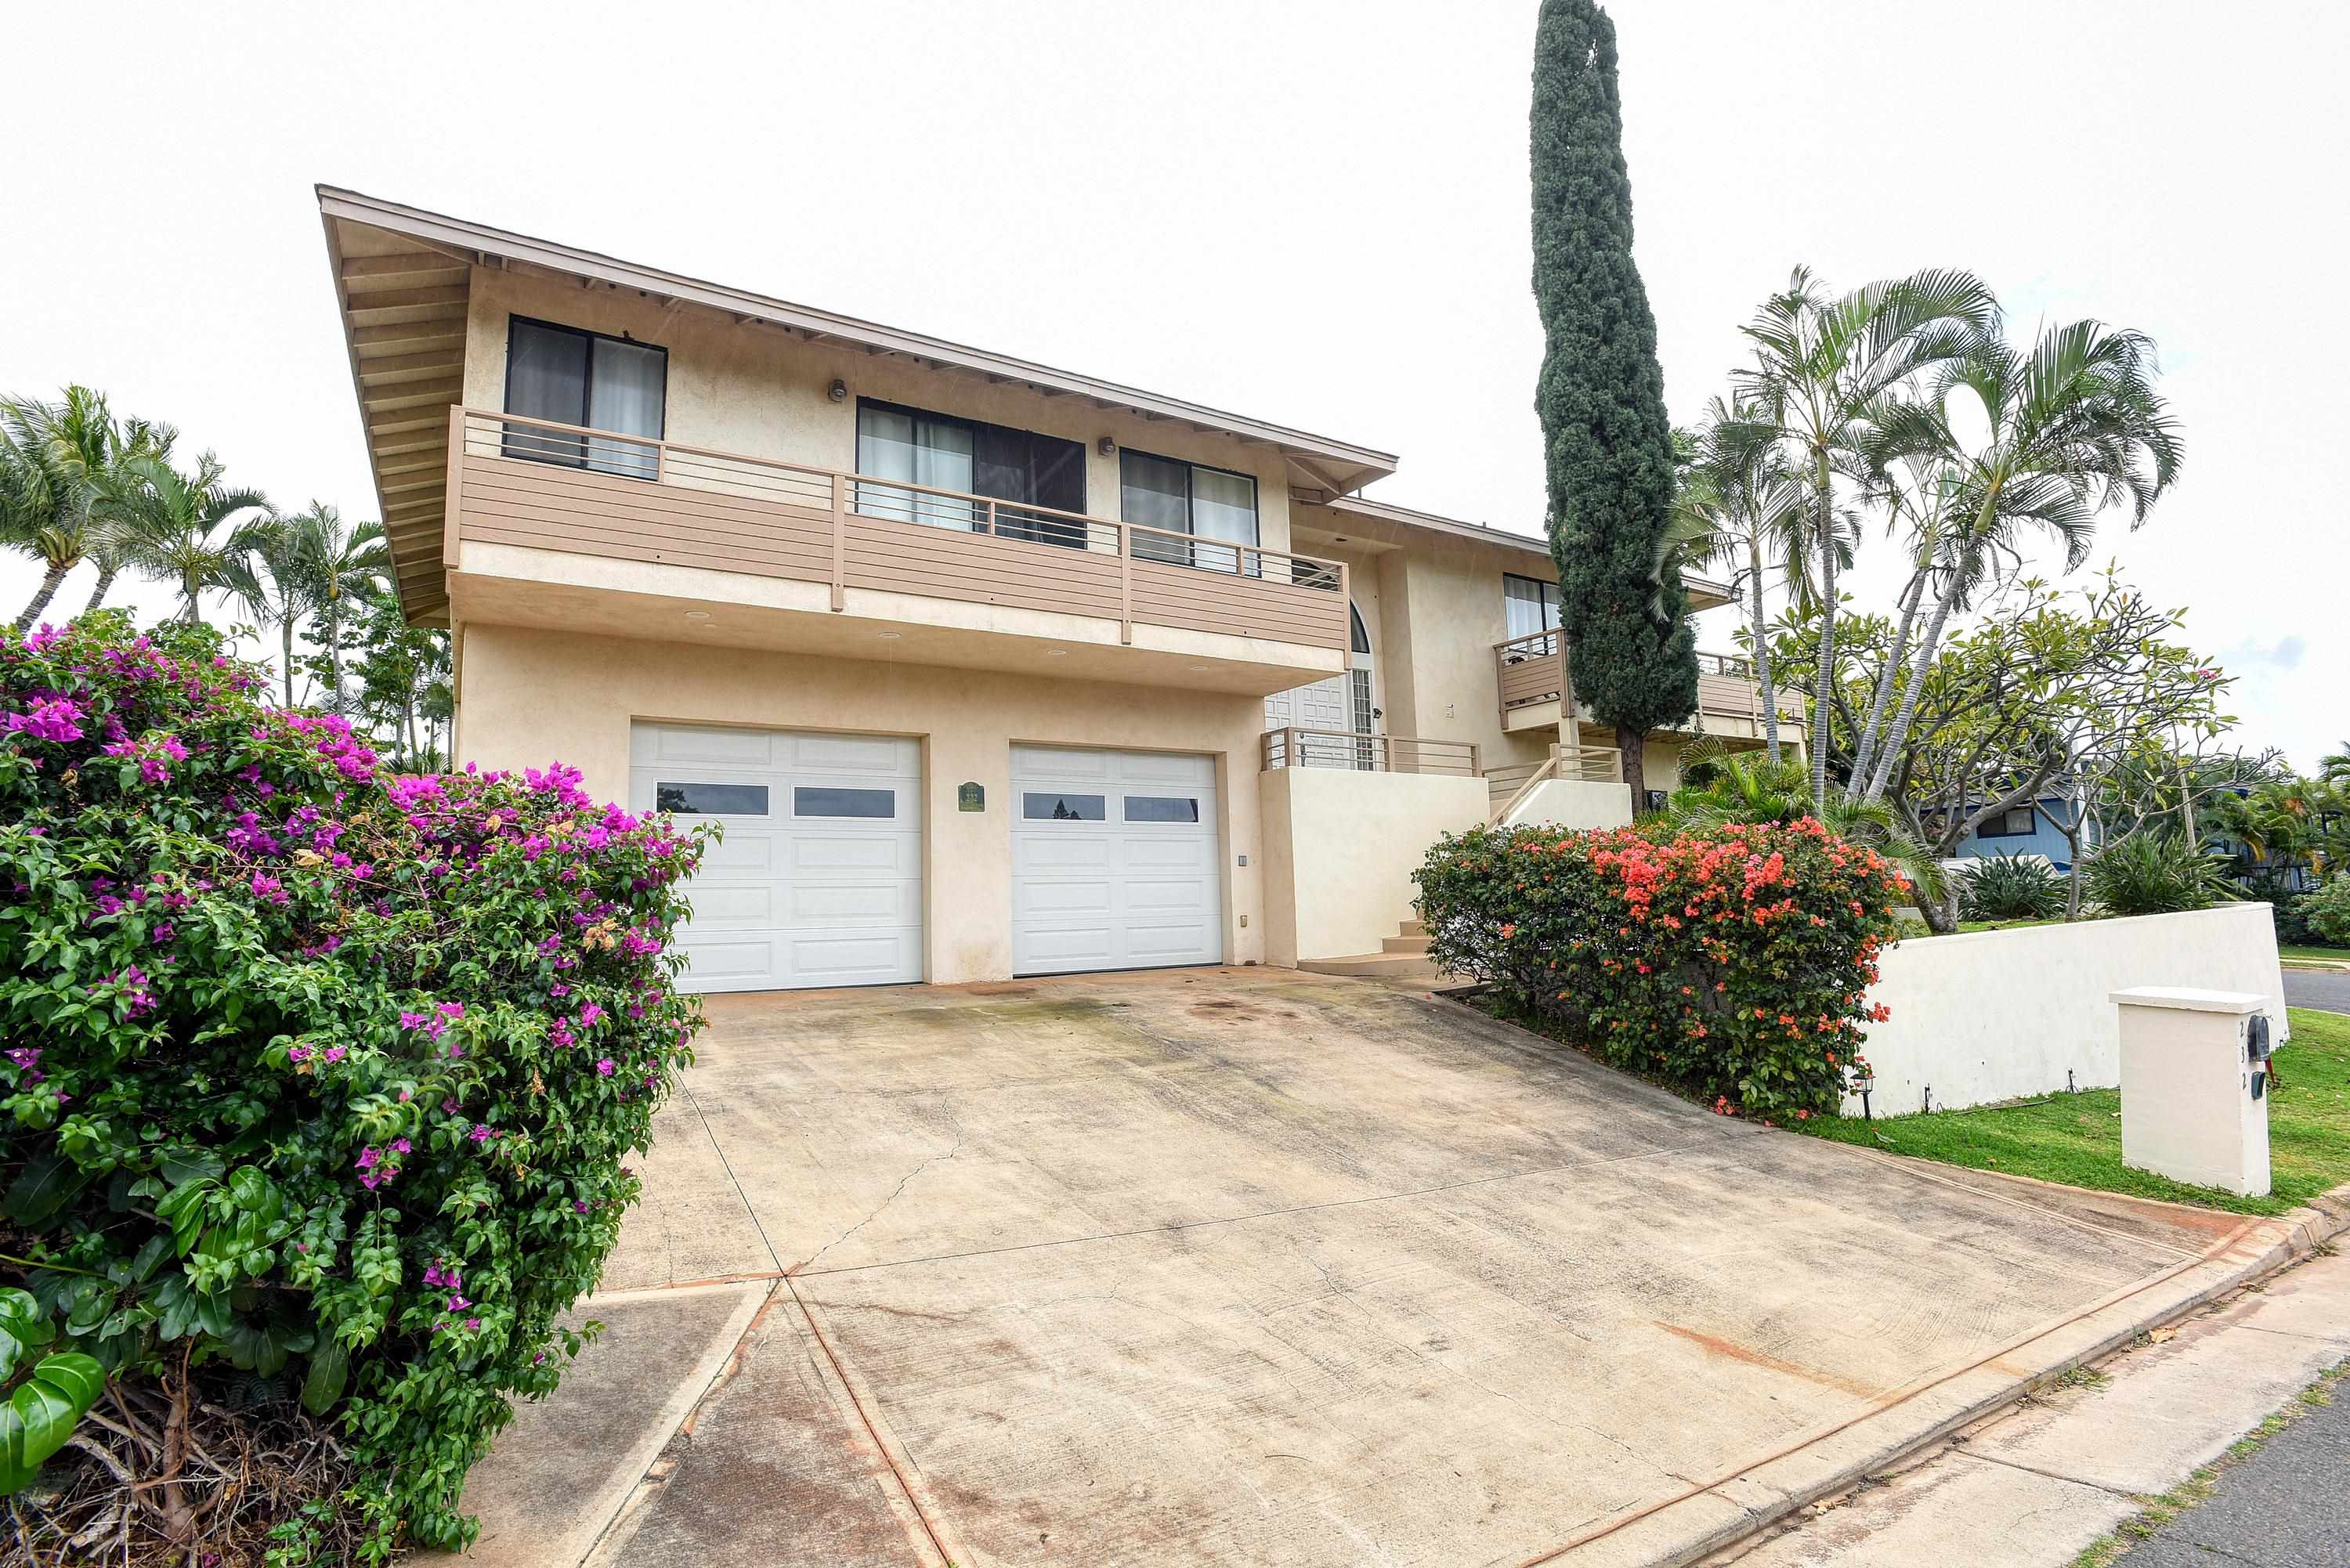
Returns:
<point x="1607" y="443"/>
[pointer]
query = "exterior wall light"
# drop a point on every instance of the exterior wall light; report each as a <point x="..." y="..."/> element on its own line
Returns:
<point x="1105" y="446"/>
<point x="838" y="392"/>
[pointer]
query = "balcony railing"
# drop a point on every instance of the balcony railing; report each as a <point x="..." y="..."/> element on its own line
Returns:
<point x="1294" y="748"/>
<point x="1587" y="764"/>
<point x="1530" y="670"/>
<point x="549" y="486"/>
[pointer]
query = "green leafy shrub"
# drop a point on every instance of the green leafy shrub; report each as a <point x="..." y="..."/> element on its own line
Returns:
<point x="2326" y="910"/>
<point x="2157" y="874"/>
<point x="1730" y="961"/>
<point x="312" y="1072"/>
<point x="2011" y="888"/>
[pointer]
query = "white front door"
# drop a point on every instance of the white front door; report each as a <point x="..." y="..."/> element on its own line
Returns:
<point x="1116" y="860"/>
<point x="1347" y="703"/>
<point x="819" y="880"/>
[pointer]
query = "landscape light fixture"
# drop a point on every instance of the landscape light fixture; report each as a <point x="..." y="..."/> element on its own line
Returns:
<point x="1861" y="1087"/>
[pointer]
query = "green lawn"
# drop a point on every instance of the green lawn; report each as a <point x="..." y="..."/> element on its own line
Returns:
<point x="2078" y="1138"/>
<point x="2321" y="955"/>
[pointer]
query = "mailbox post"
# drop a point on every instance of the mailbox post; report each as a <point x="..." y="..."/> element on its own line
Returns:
<point x="2194" y="1087"/>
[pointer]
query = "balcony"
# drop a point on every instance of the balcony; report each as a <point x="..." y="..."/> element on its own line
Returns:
<point x="1296" y="748"/>
<point x="544" y="516"/>
<point x="1532" y="678"/>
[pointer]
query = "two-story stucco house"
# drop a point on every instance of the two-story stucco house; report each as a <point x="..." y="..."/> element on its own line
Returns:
<point x="988" y="668"/>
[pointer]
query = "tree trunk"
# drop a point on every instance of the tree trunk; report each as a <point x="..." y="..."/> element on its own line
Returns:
<point x="334" y="617"/>
<point x="1865" y="747"/>
<point x="1941" y="914"/>
<point x="50" y="579"/>
<point x="1636" y="772"/>
<point x="1902" y="718"/>
<point x="286" y="654"/>
<point x="1762" y="646"/>
<point x="1824" y="680"/>
<point x="98" y="595"/>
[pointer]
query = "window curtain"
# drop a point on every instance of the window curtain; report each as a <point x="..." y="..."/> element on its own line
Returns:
<point x="546" y="379"/>
<point x="624" y="393"/>
<point x="1530" y="605"/>
<point x="1223" y="506"/>
<point x="1156" y="493"/>
<point x="892" y="443"/>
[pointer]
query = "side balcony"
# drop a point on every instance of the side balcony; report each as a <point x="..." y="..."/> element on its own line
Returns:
<point x="566" y="527"/>
<point x="1532" y="681"/>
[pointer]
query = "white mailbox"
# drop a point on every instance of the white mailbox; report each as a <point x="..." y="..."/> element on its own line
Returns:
<point x="2194" y="1087"/>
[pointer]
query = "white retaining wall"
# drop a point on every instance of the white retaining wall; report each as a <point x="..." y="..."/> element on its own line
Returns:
<point x="1578" y="804"/>
<point x="1340" y="846"/>
<point x="2000" y="1015"/>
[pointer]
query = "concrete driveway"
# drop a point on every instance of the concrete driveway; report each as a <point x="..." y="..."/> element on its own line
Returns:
<point x="1244" y="1266"/>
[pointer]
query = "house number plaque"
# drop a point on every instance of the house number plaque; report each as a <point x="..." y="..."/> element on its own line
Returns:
<point x="970" y="797"/>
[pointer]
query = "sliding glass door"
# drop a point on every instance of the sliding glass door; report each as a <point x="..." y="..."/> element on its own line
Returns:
<point x="1178" y="497"/>
<point x="978" y="459"/>
<point x="576" y="378"/>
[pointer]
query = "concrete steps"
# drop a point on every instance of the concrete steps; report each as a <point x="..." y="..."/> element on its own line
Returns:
<point x="1403" y="957"/>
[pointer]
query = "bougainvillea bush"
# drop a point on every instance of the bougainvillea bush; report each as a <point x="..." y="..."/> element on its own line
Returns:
<point x="1730" y="961"/>
<point x="310" y="1072"/>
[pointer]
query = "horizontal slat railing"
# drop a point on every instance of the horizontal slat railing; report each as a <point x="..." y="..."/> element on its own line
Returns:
<point x="548" y="486"/>
<point x="1592" y="764"/>
<point x="1296" y="748"/>
<point x="1529" y="669"/>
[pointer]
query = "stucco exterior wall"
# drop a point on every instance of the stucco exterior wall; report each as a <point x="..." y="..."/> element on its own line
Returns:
<point x="759" y="391"/>
<point x="532" y="697"/>
<point x="1339" y="850"/>
<point x="1577" y="804"/>
<point x="1996" y="1016"/>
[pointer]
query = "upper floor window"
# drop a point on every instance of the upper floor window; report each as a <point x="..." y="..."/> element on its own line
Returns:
<point x="2015" y="822"/>
<point x="1531" y="604"/>
<point x="574" y="378"/>
<point x="1192" y="498"/>
<point x="943" y="452"/>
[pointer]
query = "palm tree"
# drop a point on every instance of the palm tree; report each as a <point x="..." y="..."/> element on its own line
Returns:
<point x="2334" y="767"/>
<point x="53" y="458"/>
<point x="270" y="580"/>
<point x="1826" y="369"/>
<point x="1917" y="488"/>
<point x="2076" y="426"/>
<point x="108" y="541"/>
<point x="1736" y="505"/>
<point x="172" y="524"/>
<point x="341" y="564"/>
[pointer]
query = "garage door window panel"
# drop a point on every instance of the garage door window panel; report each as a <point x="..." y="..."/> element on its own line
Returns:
<point x="1161" y="808"/>
<point x="829" y="801"/>
<point x="1053" y="807"/>
<point x="712" y="799"/>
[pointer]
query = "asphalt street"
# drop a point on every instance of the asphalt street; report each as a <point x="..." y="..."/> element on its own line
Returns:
<point x="2317" y="988"/>
<point x="2283" y="1508"/>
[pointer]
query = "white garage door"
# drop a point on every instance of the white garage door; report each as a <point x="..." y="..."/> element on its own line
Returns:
<point x="819" y="879"/>
<point x="1115" y="862"/>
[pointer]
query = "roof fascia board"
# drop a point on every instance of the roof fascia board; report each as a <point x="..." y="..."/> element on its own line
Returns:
<point x="417" y="223"/>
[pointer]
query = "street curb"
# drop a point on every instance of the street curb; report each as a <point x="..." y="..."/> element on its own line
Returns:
<point x="1734" y="1509"/>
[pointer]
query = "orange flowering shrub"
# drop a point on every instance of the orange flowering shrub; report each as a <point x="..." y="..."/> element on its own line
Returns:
<point x="1730" y="962"/>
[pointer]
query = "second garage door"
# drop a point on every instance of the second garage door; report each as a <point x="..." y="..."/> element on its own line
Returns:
<point x="1116" y="861"/>
<point x="819" y="880"/>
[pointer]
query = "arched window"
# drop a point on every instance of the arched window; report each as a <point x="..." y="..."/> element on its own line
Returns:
<point x="1357" y="637"/>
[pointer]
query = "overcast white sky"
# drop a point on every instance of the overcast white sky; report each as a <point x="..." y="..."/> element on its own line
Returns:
<point x="1312" y="212"/>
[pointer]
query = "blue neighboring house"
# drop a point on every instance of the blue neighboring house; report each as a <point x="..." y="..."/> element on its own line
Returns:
<point x="2023" y="830"/>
